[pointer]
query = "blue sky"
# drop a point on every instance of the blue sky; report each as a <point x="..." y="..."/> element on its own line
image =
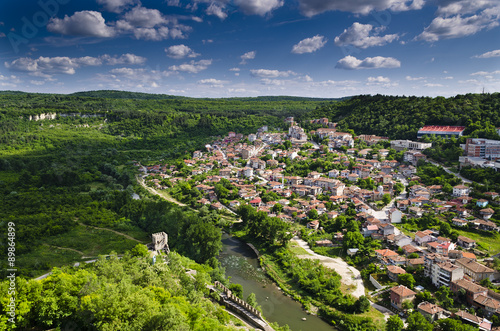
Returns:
<point x="225" y="48"/>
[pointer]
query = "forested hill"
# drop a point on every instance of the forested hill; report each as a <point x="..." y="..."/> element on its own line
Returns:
<point x="113" y="94"/>
<point x="401" y="117"/>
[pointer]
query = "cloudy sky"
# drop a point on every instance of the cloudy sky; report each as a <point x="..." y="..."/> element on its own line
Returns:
<point x="222" y="48"/>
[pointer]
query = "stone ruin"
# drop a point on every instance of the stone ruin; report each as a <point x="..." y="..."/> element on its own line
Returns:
<point x="160" y="242"/>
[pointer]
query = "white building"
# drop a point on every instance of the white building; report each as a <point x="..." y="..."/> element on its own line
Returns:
<point x="399" y="145"/>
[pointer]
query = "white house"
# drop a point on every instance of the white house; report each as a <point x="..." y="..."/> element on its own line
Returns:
<point x="460" y="190"/>
<point x="395" y="215"/>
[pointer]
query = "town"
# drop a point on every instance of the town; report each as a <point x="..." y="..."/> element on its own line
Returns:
<point x="420" y="246"/>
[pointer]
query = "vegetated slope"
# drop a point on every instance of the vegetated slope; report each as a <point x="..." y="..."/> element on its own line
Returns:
<point x="401" y="117"/>
<point x="117" y="294"/>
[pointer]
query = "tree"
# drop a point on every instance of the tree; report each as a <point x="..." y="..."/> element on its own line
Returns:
<point x="277" y="208"/>
<point x="407" y="305"/>
<point x="445" y="229"/>
<point x="362" y="304"/>
<point x="386" y="198"/>
<point x="313" y="214"/>
<point x="353" y="240"/>
<point x="406" y="280"/>
<point x="252" y="300"/>
<point x="140" y="251"/>
<point x="445" y="297"/>
<point x="417" y="322"/>
<point x="394" y="323"/>
<point x="237" y="290"/>
<point x="450" y="324"/>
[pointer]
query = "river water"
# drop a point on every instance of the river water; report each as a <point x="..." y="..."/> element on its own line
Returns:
<point x="243" y="267"/>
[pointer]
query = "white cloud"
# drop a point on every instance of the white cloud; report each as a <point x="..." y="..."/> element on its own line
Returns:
<point x="128" y="58"/>
<point x="2" y="35"/>
<point x="351" y="63"/>
<point x="212" y="82"/>
<point x="83" y="23"/>
<point x="216" y="9"/>
<point x="433" y="85"/>
<point x="458" y="26"/>
<point x="48" y="66"/>
<point x="116" y="6"/>
<point x="51" y="65"/>
<point x="378" y="79"/>
<point x="234" y="69"/>
<point x="275" y="82"/>
<point x="470" y="81"/>
<point x="313" y="7"/>
<point x="247" y="56"/>
<point x="192" y="67"/>
<point x="410" y="78"/>
<point x="37" y="82"/>
<point x="258" y="7"/>
<point x="266" y="73"/>
<point x="309" y="45"/>
<point x="145" y="17"/>
<point x="485" y="73"/>
<point x="180" y="52"/>
<point x="487" y="55"/>
<point x="359" y="35"/>
<point x="461" y="7"/>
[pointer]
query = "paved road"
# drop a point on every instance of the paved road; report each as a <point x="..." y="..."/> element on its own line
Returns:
<point x="465" y="180"/>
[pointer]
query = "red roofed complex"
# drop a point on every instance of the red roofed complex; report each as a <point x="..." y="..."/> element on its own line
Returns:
<point x="442" y="131"/>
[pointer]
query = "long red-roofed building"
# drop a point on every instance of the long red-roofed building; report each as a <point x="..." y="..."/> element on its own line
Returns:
<point x="440" y="130"/>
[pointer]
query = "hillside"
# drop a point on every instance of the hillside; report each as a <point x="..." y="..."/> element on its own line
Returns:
<point x="401" y="117"/>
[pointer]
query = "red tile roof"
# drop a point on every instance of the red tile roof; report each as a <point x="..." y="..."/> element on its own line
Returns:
<point x="440" y="128"/>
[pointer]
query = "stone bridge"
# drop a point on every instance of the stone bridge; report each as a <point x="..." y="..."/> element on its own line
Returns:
<point x="240" y="307"/>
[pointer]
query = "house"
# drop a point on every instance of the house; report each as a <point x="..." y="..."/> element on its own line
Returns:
<point x="256" y="202"/>
<point x="414" y="263"/>
<point x="459" y="222"/>
<point x="482" y="203"/>
<point x="430" y="260"/>
<point x="465" y="242"/>
<point x="456" y="254"/>
<point x="396" y="260"/>
<point x="401" y="240"/>
<point x="489" y="305"/>
<point x="352" y="251"/>
<point x="386" y="229"/>
<point x="422" y="237"/>
<point x="410" y="249"/>
<point x="481" y="323"/>
<point x="369" y="230"/>
<point x="395" y="215"/>
<point x="475" y="270"/>
<point x="460" y="190"/>
<point x="400" y="294"/>
<point x="472" y="290"/>
<point x="431" y="311"/>
<point x="313" y="225"/>
<point x="324" y="243"/>
<point x="442" y="274"/>
<point x="393" y="272"/>
<point x="384" y="253"/>
<point x="486" y="213"/>
<point x="234" y="204"/>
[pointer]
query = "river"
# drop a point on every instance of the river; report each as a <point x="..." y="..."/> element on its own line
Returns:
<point x="243" y="267"/>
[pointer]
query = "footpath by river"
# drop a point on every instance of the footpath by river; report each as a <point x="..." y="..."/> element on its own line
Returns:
<point x="242" y="266"/>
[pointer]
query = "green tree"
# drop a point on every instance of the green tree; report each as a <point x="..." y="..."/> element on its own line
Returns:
<point x="386" y="198"/>
<point x="450" y="324"/>
<point x="406" y="280"/>
<point x="237" y="290"/>
<point x="362" y="304"/>
<point x="277" y="208"/>
<point x="353" y="240"/>
<point x="417" y="322"/>
<point x="394" y="323"/>
<point x="140" y="250"/>
<point x="252" y="300"/>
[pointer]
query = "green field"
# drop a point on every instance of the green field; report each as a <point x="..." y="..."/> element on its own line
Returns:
<point x="489" y="242"/>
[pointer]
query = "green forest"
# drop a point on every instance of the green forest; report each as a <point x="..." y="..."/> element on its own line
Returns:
<point x="68" y="183"/>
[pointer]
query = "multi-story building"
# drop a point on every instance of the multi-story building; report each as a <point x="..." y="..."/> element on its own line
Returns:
<point x="472" y="290"/>
<point x="442" y="274"/>
<point x="484" y="148"/>
<point x="399" y="145"/>
<point x="399" y="294"/>
<point x="475" y="270"/>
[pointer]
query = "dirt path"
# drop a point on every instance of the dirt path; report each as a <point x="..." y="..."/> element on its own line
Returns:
<point x="119" y="233"/>
<point x="140" y="180"/>
<point x="66" y="248"/>
<point x="350" y="275"/>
